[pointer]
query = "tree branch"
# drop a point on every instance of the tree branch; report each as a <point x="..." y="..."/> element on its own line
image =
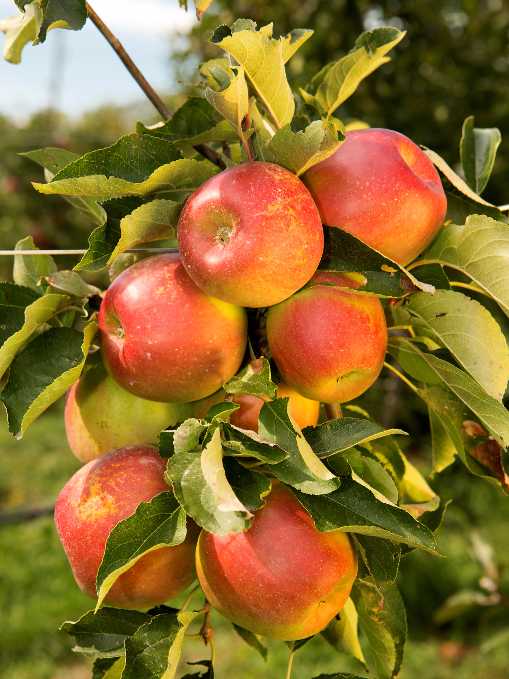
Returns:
<point x="24" y="515"/>
<point x="146" y="87"/>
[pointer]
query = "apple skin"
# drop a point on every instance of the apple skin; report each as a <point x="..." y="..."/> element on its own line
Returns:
<point x="380" y="187"/>
<point x="163" y="339"/>
<point x="303" y="411"/>
<point x="251" y="235"/>
<point x="94" y="500"/>
<point x="328" y="341"/>
<point x="100" y="416"/>
<point x="282" y="578"/>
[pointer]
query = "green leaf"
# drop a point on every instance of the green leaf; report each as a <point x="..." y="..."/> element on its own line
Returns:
<point x="20" y="30"/>
<point x="207" y="674"/>
<point x="102" y="665"/>
<point x="249" y="486"/>
<point x="71" y="283"/>
<point x="383" y="625"/>
<point x="153" y="652"/>
<point x="298" y="151"/>
<point x="104" y="632"/>
<point x="263" y="59"/>
<point x="101" y="244"/>
<point x="175" y="178"/>
<point x="465" y="328"/>
<point x="29" y="269"/>
<point x="253" y="379"/>
<point x="302" y="469"/>
<point x="245" y="443"/>
<point x="251" y="640"/>
<point x="379" y="559"/>
<point x="345" y="254"/>
<point x="20" y="322"/>
<point x="369" y="470"/>
<point x="42" y="373"/>
<point x="200" y="484"/>
<point x="343" y="632"/>
<point x="161" y="522"/>
<point x="156" y="220"/>
<point x="462" y="201"/>
<point x="53" y="160"/>
<point x="355" y="508"/>
<point x="227" y="92"/>
<point x="489" y="411"/>
<point x="339" y="675"/>
<point x="335" y="83"/>
<point x="478" y="149"/>
<point x="480" y="250"/>
<point x="70" y="14"/>
<point x="336" y="436"/>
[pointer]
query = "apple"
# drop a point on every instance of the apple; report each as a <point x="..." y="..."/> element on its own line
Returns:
<point x="380" y="187"/>
<point x="328" y="341"/>
<point x="282" y="578"/>
<point x="251" y="235"/>
<point x="98" y="496"/>
<point x="302" y="410"/>
<point x="101" y="416"/>
<point x="163" y="339"/>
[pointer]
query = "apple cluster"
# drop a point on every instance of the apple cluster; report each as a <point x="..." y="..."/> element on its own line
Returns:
<point x="173" y="331"/>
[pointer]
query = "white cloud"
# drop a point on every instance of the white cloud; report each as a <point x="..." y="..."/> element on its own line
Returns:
<point x="150" y="17"/>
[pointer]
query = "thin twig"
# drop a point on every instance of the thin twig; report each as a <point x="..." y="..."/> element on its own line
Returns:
<point x="290" y="665"/>
<point x="147" y="88"/>
<point x="24" y="515"/>
<point x="129" y="63"/>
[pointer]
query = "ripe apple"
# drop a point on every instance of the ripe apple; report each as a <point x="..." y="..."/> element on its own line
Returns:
<point x="380" y="187"/>
<point x="282" y="577"/>
<point x="328" y="341"/>
<point x="102" y="493"/>
<point x="163" y="339"/>
<point x="251" y="235"/>
<point x="303" y="411"/>
<point x="101" y="416"/>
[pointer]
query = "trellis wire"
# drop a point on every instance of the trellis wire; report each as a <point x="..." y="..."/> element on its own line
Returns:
<point x="8" y="253"/>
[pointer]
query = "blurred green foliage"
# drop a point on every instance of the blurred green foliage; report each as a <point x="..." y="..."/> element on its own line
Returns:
<point x="451" y="64"/>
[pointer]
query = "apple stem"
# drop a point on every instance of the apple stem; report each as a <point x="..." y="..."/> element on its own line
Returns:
<point x="290" y="665"/>
<point x="333" y="411"/>
<point x="146" y="87"/>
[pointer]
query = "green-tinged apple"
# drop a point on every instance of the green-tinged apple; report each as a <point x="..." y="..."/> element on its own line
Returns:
<point x="251" y="235"/>
<point x="328" y="340"/>
<point x="101" y="416"/>
<point x="163" y="338"/>
<point x="94" y="500"/>
<point x="383" y="189"/>
<point x="282" y="577"/>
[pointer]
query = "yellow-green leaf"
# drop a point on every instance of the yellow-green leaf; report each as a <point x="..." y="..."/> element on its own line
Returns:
<point x="263" y="60"/>
<point x="20" y="30"/>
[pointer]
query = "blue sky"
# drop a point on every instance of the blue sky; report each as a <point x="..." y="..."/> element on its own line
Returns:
<point x="89" y="71"/>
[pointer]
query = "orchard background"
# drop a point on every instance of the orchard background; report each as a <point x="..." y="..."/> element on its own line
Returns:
<point x="449" y="66"/>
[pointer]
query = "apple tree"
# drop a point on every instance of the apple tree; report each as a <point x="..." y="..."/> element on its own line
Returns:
<point x="267" y="260"/>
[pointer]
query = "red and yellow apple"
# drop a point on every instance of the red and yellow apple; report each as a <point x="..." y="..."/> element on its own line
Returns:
<point x="382" y="188"/>
<point x="251" y="235"/>
<point x="302" y="410"/>
<point x="163" y="339"/>
<point x="94" y="500"/>
<point x="328" y="341"/>
<point x="101" y="416"/>
<point x="282" y="577"/>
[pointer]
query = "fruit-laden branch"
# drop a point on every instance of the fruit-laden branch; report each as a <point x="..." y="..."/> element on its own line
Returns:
<point x="24" y="515"/>
<point x="147" y="88"/>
